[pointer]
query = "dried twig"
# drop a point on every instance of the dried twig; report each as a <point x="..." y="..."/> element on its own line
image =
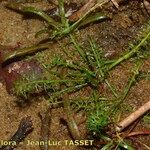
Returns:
<point x="146" y="5"/>
<point x="75" y="16"/>
<point x="45" y="127"/>
<point x="91" y="5"/>
<point x="134" y="116"/>
<point x="145" y="132"/>
<point x="115" y="3"/>
<point x="25" y="127"/>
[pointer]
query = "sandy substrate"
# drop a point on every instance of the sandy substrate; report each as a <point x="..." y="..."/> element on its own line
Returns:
<point x="14" y="30"/>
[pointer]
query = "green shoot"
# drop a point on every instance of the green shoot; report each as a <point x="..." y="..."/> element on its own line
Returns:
<point x="134" y="48"/>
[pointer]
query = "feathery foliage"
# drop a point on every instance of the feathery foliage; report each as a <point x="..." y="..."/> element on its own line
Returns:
<point x="90" y="69"/>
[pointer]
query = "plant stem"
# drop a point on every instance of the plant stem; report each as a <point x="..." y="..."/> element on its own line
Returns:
<point x="94" y="49"/>
<point x="52" y="81"/>
<point x="111" y="88"/>
<point x="77" y="23"/>
<point x="70" y="120"/>
<point x="127" y="88"/>
<point x="129" y="54"/>
<point x="78" y="48"/>
<point x="62" y="13"/>
<point x="69" y="90"/>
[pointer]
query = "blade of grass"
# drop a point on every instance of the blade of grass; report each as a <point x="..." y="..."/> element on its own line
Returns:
<point x="36" y="11"/>
<point x="40" y="13"/>
<point x="62" y="13"/>
<point x="77" y="23"/>
<point x="129" y="54"/>
<point x="80" y="51"/>
<point x="127" y="87"/>
<point x="24" y="51"/>
<point x="93" y="18"/>
<point x="98" y="61"/>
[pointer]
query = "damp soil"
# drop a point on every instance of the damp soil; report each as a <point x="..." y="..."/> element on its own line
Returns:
<point x="112" y="35"/>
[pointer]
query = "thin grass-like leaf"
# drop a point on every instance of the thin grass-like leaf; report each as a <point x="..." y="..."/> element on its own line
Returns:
<point x="93" y="18"/>
<point x="43" y="31"/>
<point x="24" y="51"/>
<point x="99" y="63"/>
<point x="125" y="146"/>
<point x="40" y="13"/>
<point x="62" y="13"/>
<point x="77" y="23"/>
<point x="108" y="146"/>
<point x="142" y="41"/>
<point x="36" y="11"/>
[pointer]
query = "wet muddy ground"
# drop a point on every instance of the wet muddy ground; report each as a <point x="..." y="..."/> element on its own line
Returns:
<point x="112" y="35"/>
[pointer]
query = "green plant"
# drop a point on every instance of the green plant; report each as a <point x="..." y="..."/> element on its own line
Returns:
<point x="56" y="30"/>
<point x="69" y="75"/>
<point x="97" y="120"/>
<point x="90" y="70"/>
<point x="146" y="118"/>
<point x="136" y="48"/>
